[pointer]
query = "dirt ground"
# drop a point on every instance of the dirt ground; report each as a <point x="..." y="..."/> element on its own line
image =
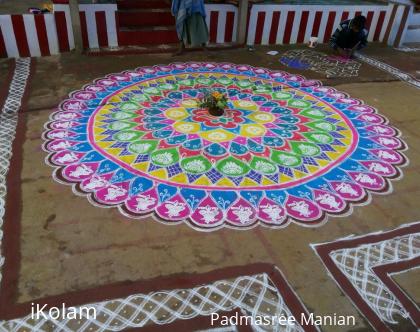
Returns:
<point x="67" y="244"/>
<point x="410" y="63"/>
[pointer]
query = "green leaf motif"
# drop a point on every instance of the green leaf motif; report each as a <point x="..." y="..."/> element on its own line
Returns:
<point x="263" y="88"/>
<point x="139" y="98"/>
<point x="127" y="135"/>
<point x="297" y="103"/>
<point x="285" y="158"/>
<point x="167" y="86"/>
<point x="151" y="91"/>
<point x="319" y="137"/>
<point x="143" y="146"/>
<point x="281" y="95"/>
<point x="129" y="106"/>
<point x="186" y="82"/>
<point x="244" y="84"/>
<point x="321" y="125"/>
<point x="121" y="125"/>
<point x="196" y="165"/>
<point x="313" y="113"/>
<point x="263" y="166"/>
<point x="165" y="157"/>
<point x="123" y="115"/>
<point x="232" y="167"/>
<point x="224" y="81"/>
<point x="305" y="148"/>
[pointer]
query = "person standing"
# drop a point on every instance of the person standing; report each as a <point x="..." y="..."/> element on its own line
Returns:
<point x="191" y="25"/>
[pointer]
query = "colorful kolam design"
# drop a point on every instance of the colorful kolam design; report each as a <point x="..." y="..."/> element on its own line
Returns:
<point x="330" y="65"/>
<point x="287" y="148"/>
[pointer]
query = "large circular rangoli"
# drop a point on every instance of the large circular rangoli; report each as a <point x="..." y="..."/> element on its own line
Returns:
<point x="286" y="148"/>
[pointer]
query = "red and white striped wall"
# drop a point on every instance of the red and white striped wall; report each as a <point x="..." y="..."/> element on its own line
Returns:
<point x="291" y="24"/>
<point x="40" y="35"/>
<point x="35" y="35"/>
<point x="64" y="27"/>
<point x="98" y="25"/>
<point x="398" y="22"/>
<point x="222" y="21"/>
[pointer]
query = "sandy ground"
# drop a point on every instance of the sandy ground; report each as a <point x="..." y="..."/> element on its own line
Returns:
<point x="411" y="63"/>
<point x="62" y="251"/>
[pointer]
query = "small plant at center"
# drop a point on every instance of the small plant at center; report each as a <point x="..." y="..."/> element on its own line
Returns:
<point x="215" y="102"/>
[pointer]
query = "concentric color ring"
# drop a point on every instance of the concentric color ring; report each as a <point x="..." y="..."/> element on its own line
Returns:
<point x="286" y="148"/>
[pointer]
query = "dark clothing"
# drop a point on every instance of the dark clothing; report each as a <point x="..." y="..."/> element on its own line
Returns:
<point x="195" y="32"/>
<point x="344" y="37"/>
<point x="190" y="20"/>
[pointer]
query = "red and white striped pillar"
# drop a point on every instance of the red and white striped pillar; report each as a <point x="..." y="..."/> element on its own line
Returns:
<point x="64" y="25"/>
<point x="34" y="35"/>
<point x="98" y="23"/>
<point x="222" y="21"/>
<point x="397" y="23"/>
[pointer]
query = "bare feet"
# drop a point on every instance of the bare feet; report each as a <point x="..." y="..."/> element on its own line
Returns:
<point x="178" y="53"/>
<point x="205" y="48"/>
<point x="180" y="50"/>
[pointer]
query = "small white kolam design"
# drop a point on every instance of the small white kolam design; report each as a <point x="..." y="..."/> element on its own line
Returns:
<point x="8" y="122"/>
<point x="357" y="265"/>
<point x="254" y="295"/>
<point x="389" y="69"/>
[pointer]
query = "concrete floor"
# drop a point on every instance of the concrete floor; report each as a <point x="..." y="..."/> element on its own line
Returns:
<point x="62" y="251"/>
<point x="410" y="65"/>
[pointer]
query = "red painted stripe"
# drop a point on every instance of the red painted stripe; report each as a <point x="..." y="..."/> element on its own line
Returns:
<point x="274" y="28"/>
<point x="230" y="18"/>
<point x="369" y="18"/>
<point x="41" y="31"/>
<point x="330" y="26"/>
<point x="358" y="13"/>
<point x="344" y="16"/>
<point x="317" y="23"/>
<point x="101" y="28"/>
<point x="260" y="27"/>
<point x="289" y="26"/>
<point x="3" y="52"/>
<point x="61" y="26"/>
<point x="379" y="26"/>
<point x="214" y="18"/>
<point x="390" y="23"/>
<point x="83" y="27"/>
<point x="402" y="23"/>
<point x="20" y="35"/>
<point x="302" y="27"/>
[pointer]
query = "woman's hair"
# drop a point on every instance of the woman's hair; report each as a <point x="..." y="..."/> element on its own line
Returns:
<point x="359" y="21"/>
